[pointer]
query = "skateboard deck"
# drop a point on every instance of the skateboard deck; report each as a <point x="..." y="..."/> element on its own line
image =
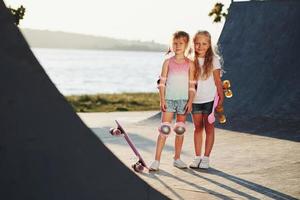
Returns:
<point x="140" y="164"/>
<point x="220" y="110"/>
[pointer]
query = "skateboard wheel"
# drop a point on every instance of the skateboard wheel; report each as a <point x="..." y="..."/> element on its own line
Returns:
<point x="219" y="109"/>
<point x="226" y="84"/>
<point x="138" y="167"/>
<point x="222" y="119"/>
<point x="228" y="93"/>
<point x="111" y="130"/>
<point x="115" y="131"/>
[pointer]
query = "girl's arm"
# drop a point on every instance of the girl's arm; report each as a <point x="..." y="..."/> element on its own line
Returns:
<point x="192" y="89"/>
<point x="192" y="82"/>
<point x="161" y="86"/>
<point x="218" y="83"/>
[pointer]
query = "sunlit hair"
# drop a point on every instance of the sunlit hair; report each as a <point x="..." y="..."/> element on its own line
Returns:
<point x="186" y="37"/>
<point x="208" y="58"/>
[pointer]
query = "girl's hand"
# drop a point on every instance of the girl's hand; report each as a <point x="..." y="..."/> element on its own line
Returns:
<point x="219" y="85"/>
<point x="163" y="106"/>
<point x="188" y="107"/>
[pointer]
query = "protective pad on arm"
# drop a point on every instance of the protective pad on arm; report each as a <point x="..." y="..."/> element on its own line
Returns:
<point x="161" y="82"/>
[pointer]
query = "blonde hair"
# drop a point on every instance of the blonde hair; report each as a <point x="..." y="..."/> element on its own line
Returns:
<point x="185" y="36"/>
<point x="208" y="58"/>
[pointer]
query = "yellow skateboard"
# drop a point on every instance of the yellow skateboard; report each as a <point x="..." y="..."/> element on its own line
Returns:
<point x="219" y="110"/>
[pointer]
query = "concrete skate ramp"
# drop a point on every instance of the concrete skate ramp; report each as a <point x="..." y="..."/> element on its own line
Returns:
<point x="260" y="45"/>
<point x="46" y="151"/>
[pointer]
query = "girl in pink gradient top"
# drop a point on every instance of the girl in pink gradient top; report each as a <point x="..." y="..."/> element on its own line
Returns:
<point x="176" y="89"/>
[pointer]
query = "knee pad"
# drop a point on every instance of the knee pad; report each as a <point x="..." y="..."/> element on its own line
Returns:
<point x="179" y="128"/>
<point x="165" y="129"/>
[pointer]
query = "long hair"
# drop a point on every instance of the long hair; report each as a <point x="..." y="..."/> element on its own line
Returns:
<point x="208" y="59"/>
<point x="186" y="37"/>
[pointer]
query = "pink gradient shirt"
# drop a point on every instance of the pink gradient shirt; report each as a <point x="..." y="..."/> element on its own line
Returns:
<point x="177" y="80"/>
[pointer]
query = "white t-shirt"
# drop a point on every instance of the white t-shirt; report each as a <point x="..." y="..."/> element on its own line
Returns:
<point x="206" y="89"/>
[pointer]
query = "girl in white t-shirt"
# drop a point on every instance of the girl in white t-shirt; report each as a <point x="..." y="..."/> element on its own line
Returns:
<point x="207" y="74"/>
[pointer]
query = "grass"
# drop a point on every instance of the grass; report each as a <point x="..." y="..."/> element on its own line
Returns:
<point x="114" y="102"/>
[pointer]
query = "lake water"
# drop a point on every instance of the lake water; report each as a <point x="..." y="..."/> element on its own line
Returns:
<point x="91" y="71"/>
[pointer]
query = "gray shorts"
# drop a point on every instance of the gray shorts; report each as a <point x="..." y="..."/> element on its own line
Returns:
<point x="176" y="106"/>
<point x="202" y="108"/>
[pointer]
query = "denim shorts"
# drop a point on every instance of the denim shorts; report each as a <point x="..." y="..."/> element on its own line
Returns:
<point x="202" y="108"/>
<point x="176" y="106"/>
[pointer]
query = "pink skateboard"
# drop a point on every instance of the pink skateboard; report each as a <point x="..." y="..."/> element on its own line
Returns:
<point x="140" y="164"/>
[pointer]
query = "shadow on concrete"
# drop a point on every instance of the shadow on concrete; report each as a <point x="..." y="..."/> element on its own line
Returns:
<point x="247" y="184"/>
<point x="263" y="126"/>
<point x="140" y="142"/>
<point x="198" y="188"/>
<point x="154" y="176"/>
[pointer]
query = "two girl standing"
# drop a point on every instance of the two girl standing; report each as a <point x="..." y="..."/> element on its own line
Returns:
<point x="186" y="86"/>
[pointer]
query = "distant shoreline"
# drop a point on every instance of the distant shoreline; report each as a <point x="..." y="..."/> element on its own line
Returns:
<point x="65" y="40"/>
<point x="62" y="48"/>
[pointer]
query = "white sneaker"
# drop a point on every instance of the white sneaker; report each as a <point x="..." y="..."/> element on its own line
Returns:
<point x="204" y="164"/>
<point x="180" y="164"/>
<point x="154" y="165"/>
<point x="195" y="163"/>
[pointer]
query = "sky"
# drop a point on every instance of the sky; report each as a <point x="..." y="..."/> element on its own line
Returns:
<point x="141" y="20"/>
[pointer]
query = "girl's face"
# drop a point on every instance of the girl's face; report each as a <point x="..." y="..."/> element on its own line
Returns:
<point x="201" y="45"/>
<point x="179" y="45"/>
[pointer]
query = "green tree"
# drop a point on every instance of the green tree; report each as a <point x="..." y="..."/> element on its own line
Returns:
<point x="217" y="12"/>
<point x="18" y="13"/>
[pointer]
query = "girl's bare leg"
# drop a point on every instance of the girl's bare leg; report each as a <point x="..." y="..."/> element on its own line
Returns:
<point x="210" y="135"/>
<point x="179" y="139"/>
<point x="161" y="140"/>
<point x="198" y="133"/>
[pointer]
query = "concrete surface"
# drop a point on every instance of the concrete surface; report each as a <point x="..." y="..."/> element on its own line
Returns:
<point x="46" y="152"/>
<point x="243" y="166"/>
